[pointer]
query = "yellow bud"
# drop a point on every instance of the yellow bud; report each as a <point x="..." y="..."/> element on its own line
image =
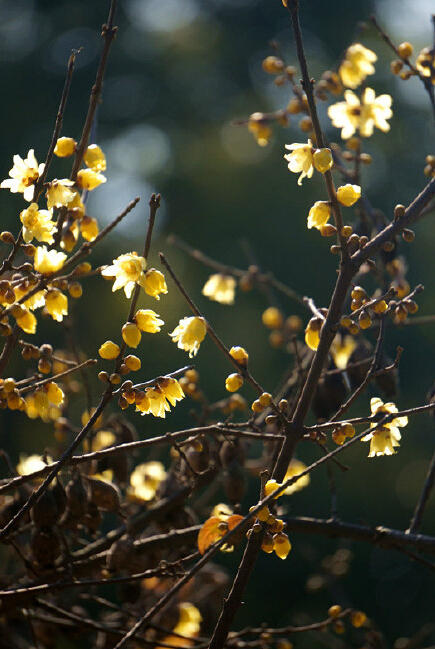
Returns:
<point x="95" y="158"/>
<point x="348" y="194"/>
<point x="281" y="545"/>
<point x="270" y="487"/>
<point x="335" y="610"/>
<point x="364" y="320"/>
<point x="265" y="399"/>
<point x="405" y="50"/>
<point x="109" y="350"/>
<point x="133" y="362"/>
<point x="256" y="406"/>
<point x="273" y="65"/>
<point x="272" y="318"/>
<point x="380" y="307"/>
<point x="131" y="335"/>
<point x="338" y="436"/>
<point x="75" y="289"/>
<point x="358" y="619"/>
<point x="240" y="355"/>
<point x="233" y="382"/>
<point x="312" y="333"/>
<point x="65" y="146"/>
<point x="322" y="160"/>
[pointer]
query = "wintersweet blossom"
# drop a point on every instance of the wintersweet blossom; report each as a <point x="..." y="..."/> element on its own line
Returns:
<point x="354" y="115"/>
<point x="37" y="224"/>
<point x="294" y="469"/>
<point x="89" y="179"/>
<point x="59" y="193"/>
<point x="128" y="270"/>
<point x="145" y="481"/>
<point x="23" y="175"/>
<point x="26" y="321"/>
<point x="148" y="321"/>
<point x="312" y="333"/>
<point x="342" y="349"/>
<point x="31" y="463"/>
<point x="220" y="288"/>
<point x="357" y="65"/>
<point x="319" y="215"/>
<point x="172" y="390"/>
<point x="348" y="194"/>
<point x="383" y="440"/>
<point x="48" y="261"/>
<point x="56" y="304"/>
<point x="35" y="301"/>
<point x="300" y="159"/>
<point x="189" y="334"/>
<point x="155" y="283"/>
<point x="94" y="158"/>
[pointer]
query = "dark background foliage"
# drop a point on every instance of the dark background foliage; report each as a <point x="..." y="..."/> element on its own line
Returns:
<point x="179" y="73"/>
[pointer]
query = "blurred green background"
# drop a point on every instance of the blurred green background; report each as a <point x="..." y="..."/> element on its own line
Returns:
<point x="179" y="73"/>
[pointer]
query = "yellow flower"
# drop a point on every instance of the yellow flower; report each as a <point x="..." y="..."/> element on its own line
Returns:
<point x="155" y="283"/>
<point x="352" y="115"/>
<point x="23" y="175"/>
<point x="59" y="193"/>
<point x="27" y="321"/>
<point x="281" y="545"/>
<point x="319" y="215"/>
<point x="65" y="146"/>
<point x="31" y="463"/>
<point x="357" y="65"/>
<point x="148" y="321"/>
<point x="103" y="439"/>
<point x="145" y="480"/>
<point x="48" y="261"/>
<point x="384" y="439"/>
<point x="76" y="206"/>
<point x="295" y="468"/>
<point x="94" y="158"/>
<point x="36" y="301"/>
<point x="89" y="179"/>
<point x="109" y="350"/>
<point x="127" y="270"/>
<point x="300" y="159"/>
<point x="322" y="160"/>
<point x="38" y="224"/>
<point x="220" y="288"/>
<point x="153" y="403"/>
<point x="56" y="304"/>
<point x="131" y="334"/>
<point x="348" y="194"/>
<point x="259" y="129"/>
<point x="341" y="350"/>
<point x="312" y="333"/>
<point x="240" y="355"/>
<point x="425" y="63"/>
<point x="271" y="486"/>
<point x="171" y="389"/>
<point x="233" y="382"/>
<point x="272" y="318"/>
<point x="189" y="621"/>
<point x="189" y="334"/>
<point x="54" y="393"/>
<point x="89" y="228"/>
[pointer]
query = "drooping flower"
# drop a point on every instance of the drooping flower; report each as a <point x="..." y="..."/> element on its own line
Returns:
<point x="354" y="115"/>
<point x="24" y="175"/>
<point x="56" y="304"/>
<point x="148" y="320"/>
<point x="89" y="228"/>
<point x="145" y="481"/>
<point x="48" y="261"/>
<point x="341" y="350"/>
<point x="155" y="283"/>
<point x="171" y="389"/>
<point x="220" y="288"/>
<point x="189" y="334"/>
<point x="383" y="440"/>
<point x="65" y="146"/>
<point x="26" y="321"/>
<point x="35" y="301"/>
<point x="357" y="65"/>
<point x="258" y="126"/>
<point x="300" y="159"/>
<point x="59" y="193"/>
<point x="295" y="468"/>
<point x="37" y="224"/>
<point x="154" y="403"/>
<point x="348" y="194"/>
<point x="31" y="463"/>
<point x="319" y="215"/>
<point x="425" y="63"/>
<point x="94" y="158"/>
<point x="89" y="179"/>
<point x="128" y="270"/>
<point x="312" y="333"/>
